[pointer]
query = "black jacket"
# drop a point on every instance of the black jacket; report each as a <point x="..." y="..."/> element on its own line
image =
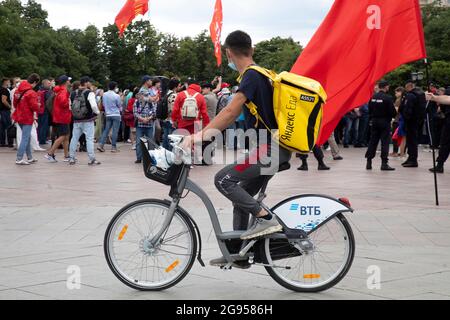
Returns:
<point x="381" y="106"/>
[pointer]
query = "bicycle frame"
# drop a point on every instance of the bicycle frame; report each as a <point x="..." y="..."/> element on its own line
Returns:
<point x="184" y="183"/>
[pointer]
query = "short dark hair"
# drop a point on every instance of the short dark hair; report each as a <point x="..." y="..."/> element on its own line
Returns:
<point x="33" y="78"/>
<point x="112" y="85"/>
<point x="173" y="84"/>
<point x="85" y="80"/>
<point x="239" y="43"/>
<point x="207" y="85"/>
<point x="155" y="81"/>
<point x="4" y="80"/>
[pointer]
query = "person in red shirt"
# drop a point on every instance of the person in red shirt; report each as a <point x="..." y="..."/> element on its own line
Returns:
<point x="26" y="102"/>
<point x="62" y="117"/>
<point x="189" y="125"/>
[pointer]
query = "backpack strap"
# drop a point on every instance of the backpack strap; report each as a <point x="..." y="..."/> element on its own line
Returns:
<point x="271" y="75"/>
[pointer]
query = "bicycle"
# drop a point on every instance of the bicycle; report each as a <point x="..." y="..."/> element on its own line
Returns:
<point x="151" y="245"/>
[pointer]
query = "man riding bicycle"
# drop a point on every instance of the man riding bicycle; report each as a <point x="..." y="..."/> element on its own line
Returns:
<point x="241" y="181"/>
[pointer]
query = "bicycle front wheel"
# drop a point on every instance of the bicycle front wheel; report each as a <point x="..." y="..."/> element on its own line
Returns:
<point x="133" y="258"/>
<point x="322" y="268"/>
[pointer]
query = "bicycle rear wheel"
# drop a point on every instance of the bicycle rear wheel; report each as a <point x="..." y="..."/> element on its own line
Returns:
<point x="321" y="269"/>
<point x="133" y="259"/>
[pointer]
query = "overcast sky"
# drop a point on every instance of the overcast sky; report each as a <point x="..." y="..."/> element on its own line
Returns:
<point x="263" y="19"/>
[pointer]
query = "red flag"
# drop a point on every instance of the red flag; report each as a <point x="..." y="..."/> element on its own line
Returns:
<point x="130" y="10"/>
<point x="357" y="44"/>
<point x="216" y="31"/>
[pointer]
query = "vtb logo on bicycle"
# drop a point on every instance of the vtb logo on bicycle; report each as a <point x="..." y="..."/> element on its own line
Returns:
<point x="306" y="210"/>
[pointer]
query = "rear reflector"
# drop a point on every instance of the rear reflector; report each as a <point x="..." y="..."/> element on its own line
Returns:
<point x="346" y="201"/>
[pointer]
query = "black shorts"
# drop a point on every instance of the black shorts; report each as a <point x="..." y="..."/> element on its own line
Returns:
<point x="62" y="129"/>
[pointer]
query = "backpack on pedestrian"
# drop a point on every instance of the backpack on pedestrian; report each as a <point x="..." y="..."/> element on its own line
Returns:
<point x="163" y="110"/>
<point x="80" y="108"/>
<point x="298" y="106"/>
<point x="190" y="109"/>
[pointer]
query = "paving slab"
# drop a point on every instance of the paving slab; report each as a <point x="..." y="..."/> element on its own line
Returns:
<point x="53" y="216"/>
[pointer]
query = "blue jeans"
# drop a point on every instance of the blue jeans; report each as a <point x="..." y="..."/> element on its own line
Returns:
<point x="88" y="129"/>
<point x="363" y="129"/>
<point x="25" y="143"/>
<point x="351" y="131"/>
<point x="168" y="130"/>
<point x="43" y="127"/>
<point x="140" y="133"/>
<point x="114" y="123"/>
<point x="5" y="122"/>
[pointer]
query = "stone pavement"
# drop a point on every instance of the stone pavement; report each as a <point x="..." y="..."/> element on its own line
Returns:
<point x="53" y="216"/>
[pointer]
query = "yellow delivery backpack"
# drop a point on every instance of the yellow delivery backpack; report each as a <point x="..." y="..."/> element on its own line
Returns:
<point x="298" y="104"/>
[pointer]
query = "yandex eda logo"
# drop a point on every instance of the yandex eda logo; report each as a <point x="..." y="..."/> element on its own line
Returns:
<point x="307" y="210"/>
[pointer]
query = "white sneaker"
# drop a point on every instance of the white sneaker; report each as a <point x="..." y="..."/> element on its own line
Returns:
<point x="32" y="161"/>
<point x="22" y="163"/>
<point x="50" y="158"/>
<point x="40" y="150"/>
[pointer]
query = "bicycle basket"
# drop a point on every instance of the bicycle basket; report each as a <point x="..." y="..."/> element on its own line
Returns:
<point x="167" y="177"/>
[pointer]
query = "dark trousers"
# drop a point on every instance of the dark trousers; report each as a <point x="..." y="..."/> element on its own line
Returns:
<point x="318" y="154"/>
<point x="444" y="151"/>
<point x="412" y="139"/>
<point x="43" y="127"/>
<point x="381" y="130"/>
<point x="363" y="136"/>
<point x="5" y="123"/>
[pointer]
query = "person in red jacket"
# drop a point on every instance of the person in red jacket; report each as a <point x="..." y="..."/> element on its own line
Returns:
<point x="26" y="102"/>
<point x="189" y="125"/>
<point x="62" y="117"/>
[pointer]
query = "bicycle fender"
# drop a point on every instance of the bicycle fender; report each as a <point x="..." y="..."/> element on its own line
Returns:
<point x="309" y="212"/>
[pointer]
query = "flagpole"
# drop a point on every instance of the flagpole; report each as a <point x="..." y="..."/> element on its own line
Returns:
<point x="436" y="187"/>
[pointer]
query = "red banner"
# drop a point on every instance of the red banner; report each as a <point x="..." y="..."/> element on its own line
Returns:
<point x="357" y="44"/>
<point x="216" y="31"/>
<point x="130" y="10"/>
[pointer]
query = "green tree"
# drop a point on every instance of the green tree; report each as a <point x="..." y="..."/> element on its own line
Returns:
<point x="277" y="53"/>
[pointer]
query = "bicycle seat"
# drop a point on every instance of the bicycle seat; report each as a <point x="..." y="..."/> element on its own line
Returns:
<point x="284" y="167"/>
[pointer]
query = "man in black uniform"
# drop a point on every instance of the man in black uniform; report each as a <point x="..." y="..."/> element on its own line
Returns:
<point x="444" y="151"/>
<point x="381" y="112"/>
<point x="413" y="111"/>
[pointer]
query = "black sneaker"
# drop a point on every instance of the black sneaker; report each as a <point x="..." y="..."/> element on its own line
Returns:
<point x="439" y="169"/>
<point x="386" y="167"/>
<point x="369" y="165"/>
<point x="323" y="167"/>
<point x="94" y="163"/>
<point x="410" y="165"/>
<point x="303" y="167"/>
<point x="338" y="158"/>
<point x="138" y="162"/>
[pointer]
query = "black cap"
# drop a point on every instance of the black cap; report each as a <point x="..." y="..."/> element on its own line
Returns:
<point x="383" y="84"/>
<point x="63" y="79"/>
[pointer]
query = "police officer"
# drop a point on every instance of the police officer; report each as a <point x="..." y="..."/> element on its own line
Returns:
<point x="444" y="150"/>
<point x="413" y="110"/>
<point x="381" y="113"/>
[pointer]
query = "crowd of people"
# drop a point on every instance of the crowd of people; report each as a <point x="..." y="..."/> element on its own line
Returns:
<point x="51" y="114"/>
